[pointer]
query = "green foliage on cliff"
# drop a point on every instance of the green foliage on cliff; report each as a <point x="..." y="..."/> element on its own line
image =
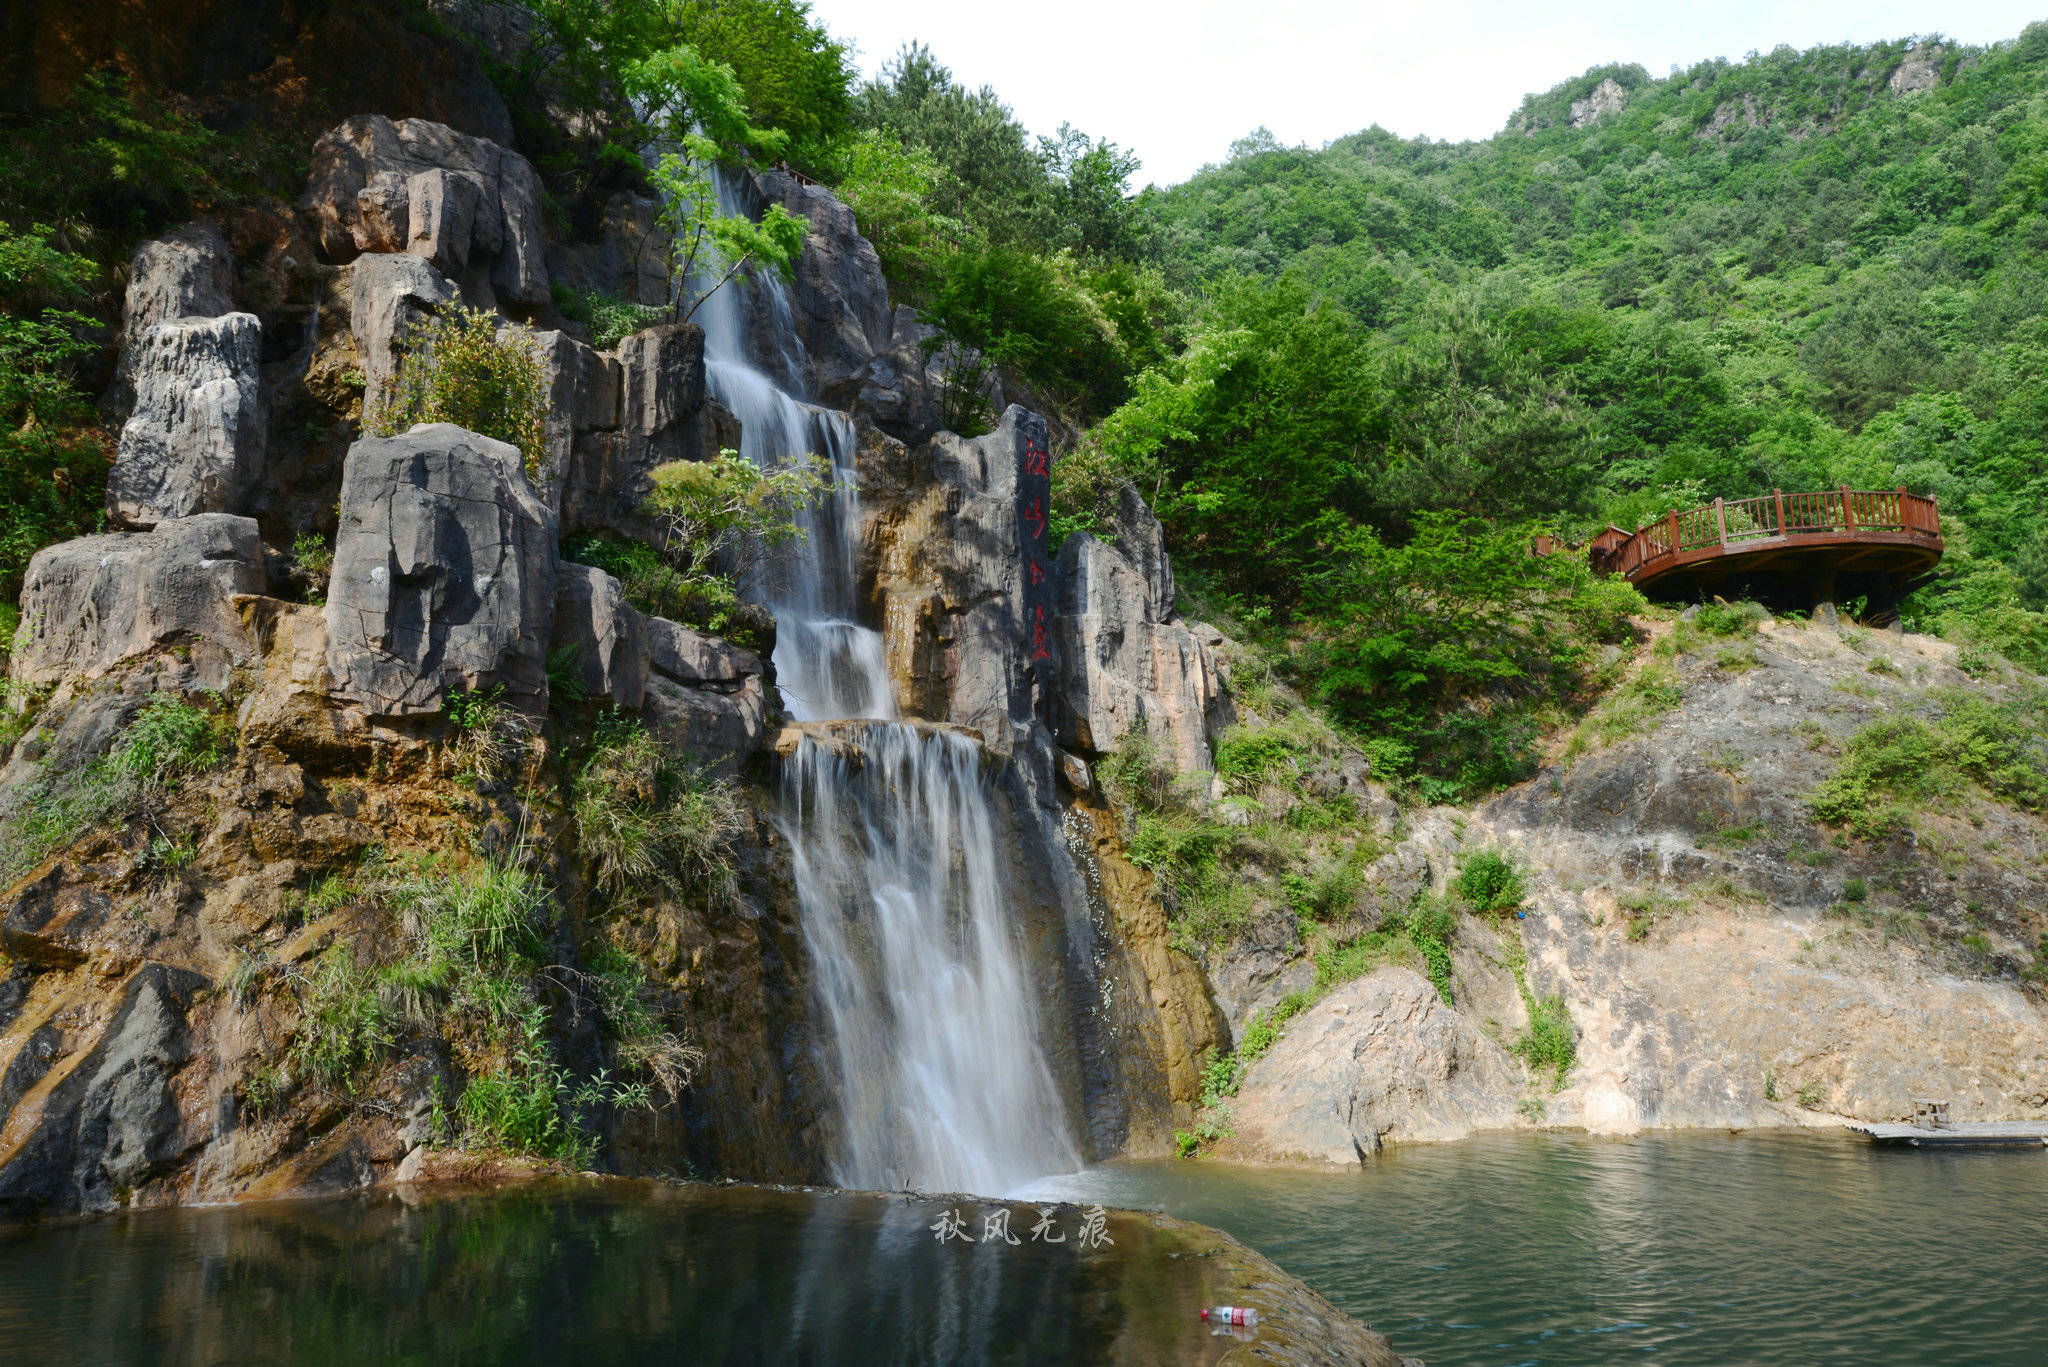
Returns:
<point x="478" y="964"/>
<point x="52" y="463"/>
<point x="457" y="367"/>
<point x="168" y="740"/>
<point x="1902" y="764"/>
<point x="645" y="822"/>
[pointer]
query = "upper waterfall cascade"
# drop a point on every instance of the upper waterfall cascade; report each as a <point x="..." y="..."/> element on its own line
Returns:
<point x="934" y="1034"/>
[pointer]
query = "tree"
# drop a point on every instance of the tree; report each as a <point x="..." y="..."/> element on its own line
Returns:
<point x="721" y="521"/>
<point x="696" y="108"/>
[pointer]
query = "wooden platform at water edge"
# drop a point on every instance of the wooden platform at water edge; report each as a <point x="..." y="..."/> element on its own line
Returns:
<point x="2018" y="1134"/>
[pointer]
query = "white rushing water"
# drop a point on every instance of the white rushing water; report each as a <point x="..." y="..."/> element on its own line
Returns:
<point x="922" y="982"/>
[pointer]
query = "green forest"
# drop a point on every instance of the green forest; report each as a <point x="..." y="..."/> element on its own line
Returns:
<point x="1354" y="380"/>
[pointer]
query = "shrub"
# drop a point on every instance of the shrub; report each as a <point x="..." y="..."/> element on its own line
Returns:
<point x="1548" y="1042"/>
<point x="1900" y="764"/>
<point x="609" y="318"/>
<point x="1489" y="881"/>
<point x="722" y="521"/>
<point x="52" y="462"/>
<point x="457" y="368"/>
<point x="1720" y="618"/>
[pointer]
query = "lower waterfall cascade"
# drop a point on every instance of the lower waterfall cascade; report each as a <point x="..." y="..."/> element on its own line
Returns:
<point x="932" y="1032"/>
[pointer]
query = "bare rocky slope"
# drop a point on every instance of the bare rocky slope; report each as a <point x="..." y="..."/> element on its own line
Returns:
<point x="1724" y="960"/>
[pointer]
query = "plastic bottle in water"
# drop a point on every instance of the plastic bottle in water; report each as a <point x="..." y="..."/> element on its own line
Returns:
<point x="1231" y="1314"/>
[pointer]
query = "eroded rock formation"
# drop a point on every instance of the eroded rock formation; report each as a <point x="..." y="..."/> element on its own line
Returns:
<point x="444" y="575"/>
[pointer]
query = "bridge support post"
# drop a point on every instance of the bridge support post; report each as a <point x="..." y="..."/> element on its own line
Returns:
<point x="1881" y="608"/>
<point x="1824" y="613"/>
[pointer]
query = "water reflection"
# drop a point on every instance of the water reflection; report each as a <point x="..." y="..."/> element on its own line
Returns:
<point x="1709" y="1249"/>
<point x="589" y="1273"/>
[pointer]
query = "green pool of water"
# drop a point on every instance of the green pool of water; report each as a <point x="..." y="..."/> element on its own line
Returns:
<point x="1684" y="1248"/>
<point x="571" y="1272"/>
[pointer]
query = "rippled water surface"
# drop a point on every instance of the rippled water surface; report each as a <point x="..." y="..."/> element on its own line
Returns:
<point x="1710" y="1249"/>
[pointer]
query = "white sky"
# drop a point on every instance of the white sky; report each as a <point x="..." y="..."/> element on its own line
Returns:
<point x="1179" y="82"/>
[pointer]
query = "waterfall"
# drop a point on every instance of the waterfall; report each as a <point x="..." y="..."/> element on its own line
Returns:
<point x="930" y="1016"/>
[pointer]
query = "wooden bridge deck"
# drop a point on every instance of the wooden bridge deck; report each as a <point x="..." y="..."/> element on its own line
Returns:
<point x="2020" y="1134"/>
<point x="1882" y="538"/>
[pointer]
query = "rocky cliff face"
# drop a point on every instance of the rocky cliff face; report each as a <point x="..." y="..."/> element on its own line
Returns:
<point x="164" y="939"/>
<point x="1723" y="960"/>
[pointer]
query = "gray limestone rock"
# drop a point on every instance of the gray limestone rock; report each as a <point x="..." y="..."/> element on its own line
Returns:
<point x="717" y="729"/>
<point x="186" y="273"/>
<point x="583" y="396"/>
<point x="662" y="415"/>
<point x="1141" y="541"/>
<point x="112" y="1122"/>
<point x="444" y="574"/>
<point x="87" y="605"/>
<point x="463" y="203"/>
<point x="194" y="441"/>
<point x="839" y="295"/>
<point x="1121" y="665"/>
<point x="608" y="635"/>
<point x="388" y="296"/>
<point x="691" y="658"/>
<point x="1379" y="1059"/>
<point x="1608" y="97"/>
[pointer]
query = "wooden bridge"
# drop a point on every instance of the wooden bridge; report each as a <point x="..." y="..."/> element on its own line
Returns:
<point x="1799" y="550"/>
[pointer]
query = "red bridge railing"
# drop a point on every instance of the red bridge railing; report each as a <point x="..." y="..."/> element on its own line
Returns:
<point x="1832" y="516"/>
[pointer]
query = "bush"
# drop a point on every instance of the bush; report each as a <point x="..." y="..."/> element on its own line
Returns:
<point x="1489" y="881"/>
<point x="457" y="369"/>
<point x="1548" y="1043"/>
<point x="1897" y="765"/>
<point x="610" y="319"/>
<point x="53" y="463"/>
<point x="1720" y="618"/>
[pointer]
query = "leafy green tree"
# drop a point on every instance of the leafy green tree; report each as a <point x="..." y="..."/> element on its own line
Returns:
<point x="52" y="463"/>
<point x="696" y="107"/>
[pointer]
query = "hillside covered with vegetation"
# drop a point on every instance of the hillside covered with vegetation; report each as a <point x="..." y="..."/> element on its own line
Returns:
<point x="1352" y="380"/>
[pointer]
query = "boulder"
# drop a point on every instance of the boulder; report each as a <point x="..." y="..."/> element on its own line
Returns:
<point x="663" y="414"/>
<point x="111" y="1120"/>
<point x="903" y="389"/>
<point x="194" y="441"/>
<point x="607" y="634"/>
<point x="839" y="296"/>
<point x="1381" y="1058"/>
<point x="388" y="296"/>
<point x="89" y="604"/>
<point x="1141" y="541"/>
<point x="718" y="728"/>
<point x="1121" y="665"/>
<point x="187" y="273"/>
<point x="583" y="396"/>
<point x="691" y="658"/>
<point x="444" y="574"/>
<point x="464" y="204"/>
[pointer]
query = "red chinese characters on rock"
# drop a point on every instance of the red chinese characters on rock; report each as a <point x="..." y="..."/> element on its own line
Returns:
<point x="1034" y="507"/>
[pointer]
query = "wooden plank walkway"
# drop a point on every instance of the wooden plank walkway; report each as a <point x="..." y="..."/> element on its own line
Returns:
<point x="2013" y="1134"/>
